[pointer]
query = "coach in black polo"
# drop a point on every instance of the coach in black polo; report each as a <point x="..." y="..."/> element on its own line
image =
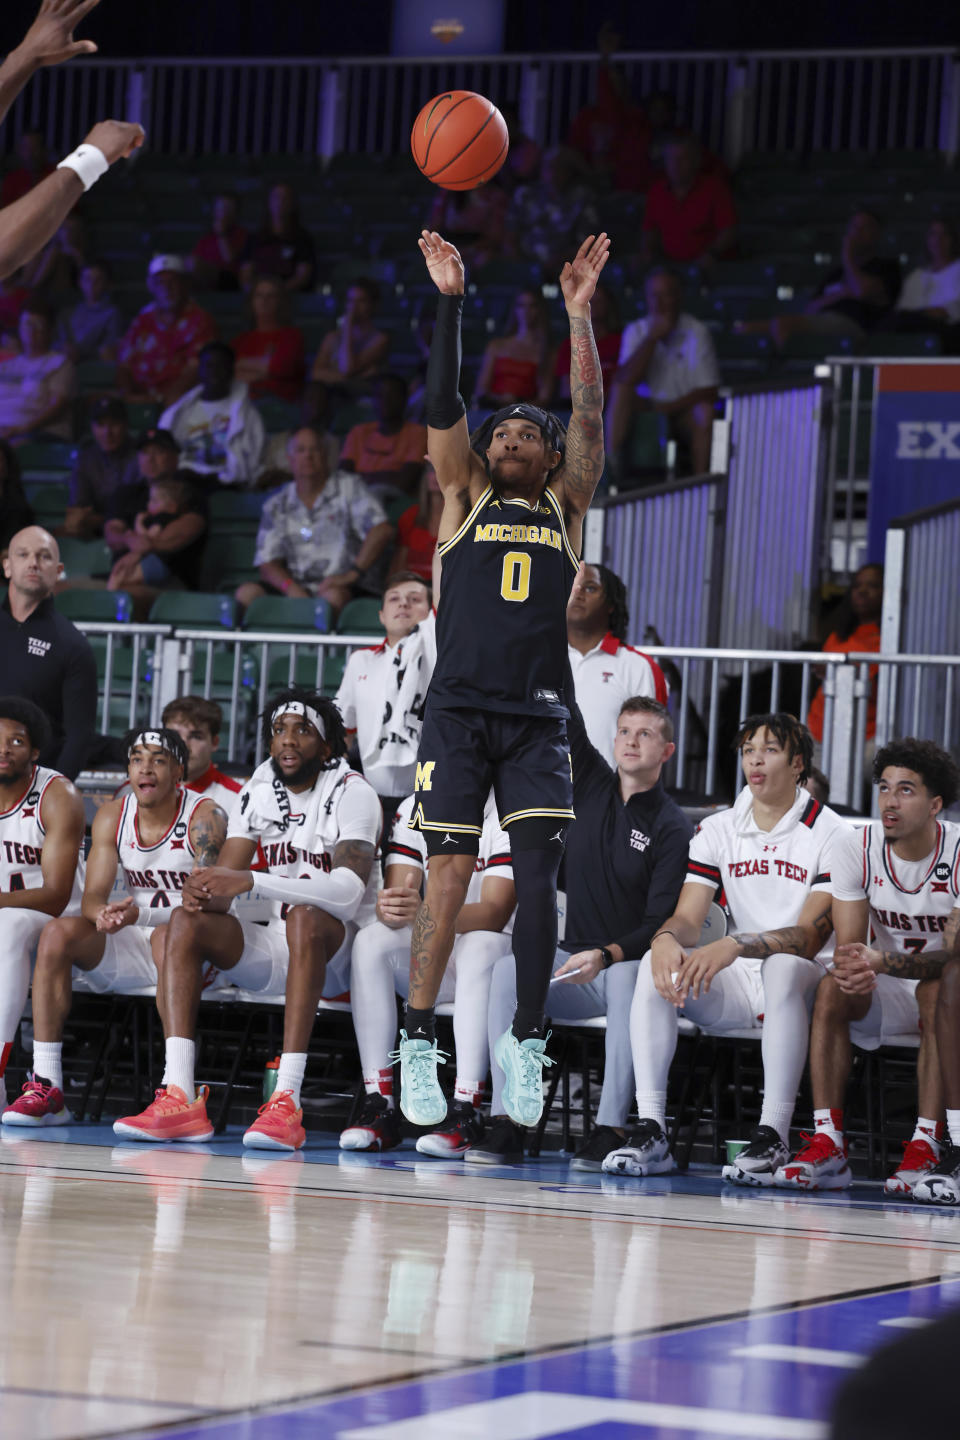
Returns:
<point x="625" y="864"/>
<point x="43" y="657"/>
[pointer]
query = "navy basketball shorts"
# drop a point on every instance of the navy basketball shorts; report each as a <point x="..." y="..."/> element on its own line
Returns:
<point x="463" y="752"/>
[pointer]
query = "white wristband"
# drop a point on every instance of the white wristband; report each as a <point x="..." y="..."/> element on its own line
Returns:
<point x="88" y="163"/>
<point x="147" y="918"/>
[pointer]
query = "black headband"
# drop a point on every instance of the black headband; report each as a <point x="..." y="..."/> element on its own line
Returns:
<point x="549" y="426"/>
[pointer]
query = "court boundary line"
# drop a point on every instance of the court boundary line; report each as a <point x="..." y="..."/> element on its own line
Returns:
<point x="280" y="1407"/>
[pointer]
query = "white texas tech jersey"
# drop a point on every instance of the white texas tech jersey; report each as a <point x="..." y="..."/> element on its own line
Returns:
<point x="408" y="847"/>
<point x="909" y="900"/>
<point x="299" y="833"/>
<point x="22" y="834"/>
<point x="155" y="874"/>
<point x="764" y="876"/>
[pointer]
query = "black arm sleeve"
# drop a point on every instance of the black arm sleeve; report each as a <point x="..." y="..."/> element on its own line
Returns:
<point x="79" y="712"/>
<point x="444" y="405"/>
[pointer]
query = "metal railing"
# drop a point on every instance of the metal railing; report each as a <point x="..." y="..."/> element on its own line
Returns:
<point x="128" y="660"/>
<point x="801" y="100"/>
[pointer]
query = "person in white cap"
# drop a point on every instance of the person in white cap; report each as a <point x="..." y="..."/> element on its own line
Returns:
<point x="158" y="356"/>
<point x="28" y="223"/>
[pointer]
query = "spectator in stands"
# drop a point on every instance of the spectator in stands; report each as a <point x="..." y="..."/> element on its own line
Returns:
<point x="352" y="356"/>
<point x="314" y="410"/>
<point x="47" y="661"/>
<point x="690" y="216"/>
<point x="523" y="159"/>
<point x="613" y="135"/>
<point x="16" y="513"/>
<point x="417" y="529"/>
<point x="550" y="219"/>
<point x="320" y="534"/>
<point x="605" y="318"/>
<point x="281" y="247"/>
<point x="36" y="386"/>
<point x="218" y="430"/>
<point x="217" y="256"/>
<point x="856" y="630"/>
<point x="271" y="357"/>
<point x="165" y="545"/>
<point x="473" y="220"/>
<point x="853" y="297"/>
<point x="518" y="365"/>
<point x="606" y="670"/>
<point x="930" y="298"/>
<point x="199" y="722"/>
<point x="91" y="330"/>
<point x="387" y="452"/>
<point x="667" y="364"/>
<point x="55" y="271"/>
<point x="158" y="456"/>
<point x="382" y="691"/>
<point x="101" y="467"/>
<point x="625" y="863"/>
<point x="34" y="166"/>
<point x="158" y="355"/>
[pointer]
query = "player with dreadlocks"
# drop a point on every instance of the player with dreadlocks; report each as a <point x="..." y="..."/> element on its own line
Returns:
<point x="515" y="495"/>
<point x="607" y="672"/>
<point x="314" y="823"/>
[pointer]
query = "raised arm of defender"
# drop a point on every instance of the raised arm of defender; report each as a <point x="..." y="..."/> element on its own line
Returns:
<point x="583" y="461"/>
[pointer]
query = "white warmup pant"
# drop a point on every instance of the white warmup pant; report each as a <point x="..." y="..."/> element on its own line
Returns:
<point x="380" y="970"/>
<point x="19" y="934"/>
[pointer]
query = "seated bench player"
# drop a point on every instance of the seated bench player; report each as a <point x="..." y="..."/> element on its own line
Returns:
<point x="317" y="822"/>
<point x="769" y="858"/>
<point x="156" y="834"/>
<point x="380" y="971"/>
<point x="41" y="867"/>
<point x="198" y="722"/>
<point x="896" y="879"/>
<point x="626" y="859"/>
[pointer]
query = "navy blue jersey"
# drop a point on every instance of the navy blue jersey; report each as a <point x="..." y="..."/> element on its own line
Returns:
<point x="502" y="616"/>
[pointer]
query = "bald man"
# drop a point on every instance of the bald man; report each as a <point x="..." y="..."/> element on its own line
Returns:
<point x="43" y="657"/>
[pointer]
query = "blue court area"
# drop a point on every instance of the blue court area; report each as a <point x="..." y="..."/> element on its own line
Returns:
<point x="739" y="1313"/>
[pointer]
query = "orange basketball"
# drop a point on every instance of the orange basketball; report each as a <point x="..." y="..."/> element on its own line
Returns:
<point x="459" y="140"/>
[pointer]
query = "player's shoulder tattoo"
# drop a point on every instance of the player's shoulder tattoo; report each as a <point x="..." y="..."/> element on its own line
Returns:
<point x="355" y="855"/>
<point x="208" y="831"/>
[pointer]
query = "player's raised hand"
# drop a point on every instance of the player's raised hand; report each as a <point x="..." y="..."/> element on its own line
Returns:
<point x="578" y="278"/>
<point x="443" y="262"/>
<point x="116" y="915"/>
<point x="49" y="41"/>
<point x="116" y="139"/>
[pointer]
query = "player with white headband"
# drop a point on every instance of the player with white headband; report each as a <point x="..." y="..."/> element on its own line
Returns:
<point x="156" y="835"/>
<point x="317" y="822"/>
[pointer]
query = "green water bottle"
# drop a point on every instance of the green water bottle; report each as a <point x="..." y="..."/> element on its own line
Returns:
<point x="270" y="1073"/>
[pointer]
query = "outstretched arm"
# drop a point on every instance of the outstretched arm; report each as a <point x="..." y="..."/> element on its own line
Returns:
<point x="583" y="462"/>
<point x="448" y="440"/>
<point x="49" y="41"/>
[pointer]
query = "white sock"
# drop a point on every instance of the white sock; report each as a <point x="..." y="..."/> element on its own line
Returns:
<point x="652" y="1105"/>
<point x="470" y="1092"/>
<point x="831" y="1123"/>
<point x="931" y="1131"/>
<point x="48" y="1062"/>
<point x="180" y="1057"/>
<point x="778" y="1117"/>
<point x="953" y="1126"/>
<point x="380" y="1083"/>
<point x="291" y="1073"/>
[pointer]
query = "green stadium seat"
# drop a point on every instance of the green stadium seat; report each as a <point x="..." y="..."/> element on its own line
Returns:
<point x="92" y="558"/>
<point x="104" y="606"/>
<point x="95" y="375"/>
<point x="48" y="500"/>
<point x="647" y="444"/>
<point x="346" y="416"/>
<point x="305" y="670"/>
<point x="228" y="561"/>
<point x="360" y="617"/>
<point x="284" y="612"/>
<point x="398" y="506"/>
<point x="236" y="511"/>
<point x="142" y="414"/>
<point x="193" y="610"/>
<point x="277" y="415"/>
<point x="37" y="455"/>
<point x="816" y="347"/>
<point x="884" y="344"/>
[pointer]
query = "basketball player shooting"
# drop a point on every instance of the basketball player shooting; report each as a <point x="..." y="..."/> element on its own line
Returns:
<point x="515" y="495"/>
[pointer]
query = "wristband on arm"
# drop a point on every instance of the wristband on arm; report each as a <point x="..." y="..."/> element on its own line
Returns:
<point x="87" y="162"/>
<point x="444" y="404"/>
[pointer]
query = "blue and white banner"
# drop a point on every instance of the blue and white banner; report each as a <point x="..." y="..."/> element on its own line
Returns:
<point x="916" y="444"/>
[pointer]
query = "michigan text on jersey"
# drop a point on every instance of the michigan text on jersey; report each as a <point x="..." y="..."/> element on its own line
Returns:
<point x="519" y="534"/>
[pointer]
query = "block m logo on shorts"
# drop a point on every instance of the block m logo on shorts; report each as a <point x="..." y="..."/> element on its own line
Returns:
<point x="424" y="780"/>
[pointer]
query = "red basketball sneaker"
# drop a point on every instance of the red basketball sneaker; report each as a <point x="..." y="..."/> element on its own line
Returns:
<point x="278" y="1125"/>
<point x="39" y="1104"/>
<point x="919" y="1158"/>
<point x="819" y="1165"/>
<point x="170" y="1116"/>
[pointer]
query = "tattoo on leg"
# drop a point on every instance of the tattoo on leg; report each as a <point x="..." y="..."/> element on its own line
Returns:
<point x="424" y="929"/>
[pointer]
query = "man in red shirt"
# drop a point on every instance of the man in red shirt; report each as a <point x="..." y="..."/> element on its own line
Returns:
<point x="690" y="215"/>
<point x="159" y="353"/>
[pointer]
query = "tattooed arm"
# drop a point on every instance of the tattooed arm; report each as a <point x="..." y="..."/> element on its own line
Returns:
<point x="583" y="462"/>
<point x="811" y="932"/>
<point x="208" y="831"/>
<point x="857" y="964"/>
<point x="355" y="855"/>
